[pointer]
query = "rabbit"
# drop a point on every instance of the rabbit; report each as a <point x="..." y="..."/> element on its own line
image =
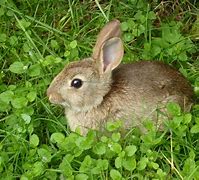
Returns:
<point x="100" y="89"/>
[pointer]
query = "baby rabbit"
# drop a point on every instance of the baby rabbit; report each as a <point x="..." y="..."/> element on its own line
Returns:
<point x="98" y="89"/>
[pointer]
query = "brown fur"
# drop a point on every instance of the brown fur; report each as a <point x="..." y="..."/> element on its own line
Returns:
<point x="131" y="92"/>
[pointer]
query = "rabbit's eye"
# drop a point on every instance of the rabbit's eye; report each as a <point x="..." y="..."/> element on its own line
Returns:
<point x="76" y="83"/>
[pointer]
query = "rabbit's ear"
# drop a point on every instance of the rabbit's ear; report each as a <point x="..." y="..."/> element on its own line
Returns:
<point x="110" y="30"/>
<point x="111" y="54"/>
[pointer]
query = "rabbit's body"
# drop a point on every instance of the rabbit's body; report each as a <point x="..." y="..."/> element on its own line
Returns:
<point x="144" y="88"/>
<point x="98" y="89"/>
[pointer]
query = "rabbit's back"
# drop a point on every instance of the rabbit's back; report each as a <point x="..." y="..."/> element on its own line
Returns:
<point x="153" y="76"/>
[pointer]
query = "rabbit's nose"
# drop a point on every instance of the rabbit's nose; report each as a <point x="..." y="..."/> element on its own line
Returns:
<point x="54" y="97"/>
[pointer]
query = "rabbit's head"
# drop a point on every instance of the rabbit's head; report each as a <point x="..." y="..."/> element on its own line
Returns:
<point x="82" y="85"/>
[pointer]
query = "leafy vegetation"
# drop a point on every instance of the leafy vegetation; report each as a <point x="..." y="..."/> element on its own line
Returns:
<point x="37" y="38"/>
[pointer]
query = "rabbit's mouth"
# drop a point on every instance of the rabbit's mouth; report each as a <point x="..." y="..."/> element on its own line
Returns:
<point x="56" y="98"/>
<point x="59" y="101"/>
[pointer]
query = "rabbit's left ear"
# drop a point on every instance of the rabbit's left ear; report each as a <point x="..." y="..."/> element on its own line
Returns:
<point x="111" y="54"/>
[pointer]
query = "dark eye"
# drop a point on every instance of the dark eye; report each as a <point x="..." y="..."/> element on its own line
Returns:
<point x="76" y="83"/>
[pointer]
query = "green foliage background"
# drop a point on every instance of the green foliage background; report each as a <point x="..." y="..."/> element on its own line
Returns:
<point x="38" y="37"/>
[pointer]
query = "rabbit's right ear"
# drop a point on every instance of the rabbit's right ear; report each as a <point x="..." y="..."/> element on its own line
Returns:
<point x="111" y="55"/>
<point x="110" y="30"/>
<point x="108" y="51"/>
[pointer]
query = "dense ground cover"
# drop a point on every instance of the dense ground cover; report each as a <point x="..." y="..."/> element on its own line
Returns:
<point x="38" y="37"/>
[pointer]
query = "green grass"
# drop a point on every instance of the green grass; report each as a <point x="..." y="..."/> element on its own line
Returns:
<point x="37" y="38"/>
